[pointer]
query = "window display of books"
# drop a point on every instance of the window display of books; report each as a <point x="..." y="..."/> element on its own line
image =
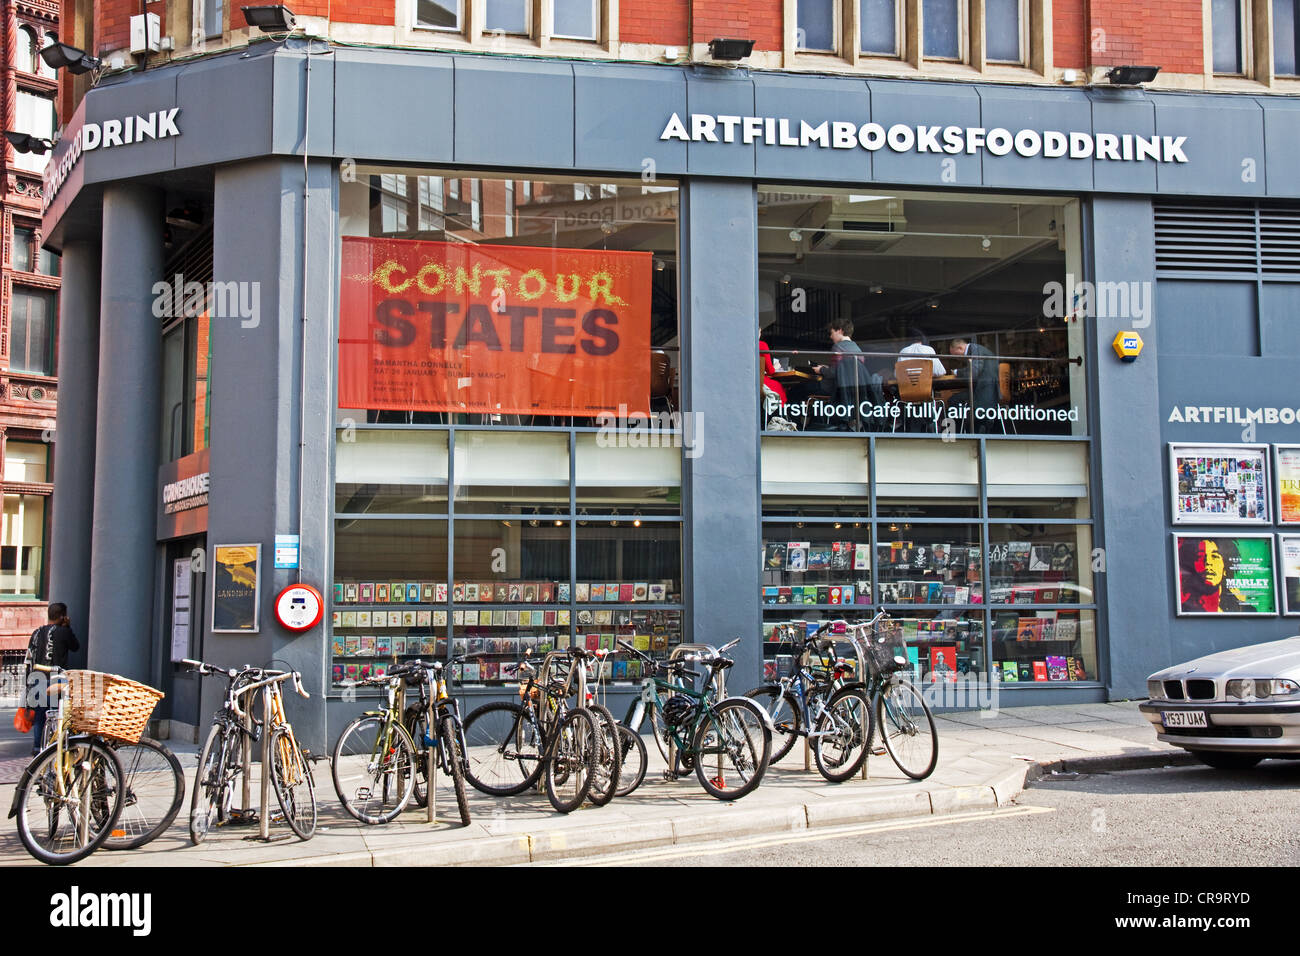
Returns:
<point x="494" y="643"/>
<point x="1033" y="572"/>
<point x="1024" y="639"/>
<point x="505" y="592"/>
<point x="361" y="656"/>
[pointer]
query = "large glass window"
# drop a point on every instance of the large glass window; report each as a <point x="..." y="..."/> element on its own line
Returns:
<point x="28" y="256"/>
<point x="25" y="53"/>
<point x="187" y="401"/>
<point x="31" y="331"/>
<point x="916" y="313"/>
<point x="506" y="16"/>
<point x="576" y="19"/>
<point x="34" y="114"/>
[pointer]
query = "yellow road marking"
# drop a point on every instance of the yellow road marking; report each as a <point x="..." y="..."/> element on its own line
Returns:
<point x="719" y="848"/>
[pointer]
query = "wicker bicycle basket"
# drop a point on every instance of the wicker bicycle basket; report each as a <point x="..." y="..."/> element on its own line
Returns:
<point x="109" y="705"/>
<point x="881" y="644"/>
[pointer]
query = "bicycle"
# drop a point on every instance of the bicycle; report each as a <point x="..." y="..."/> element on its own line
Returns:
<point x="381" y="757"/>
<point x="818" y="703"/>
<point x="734" y="730"/>
<point x="226" y="750"/>
<point x="658" y="729"/>
<point x="907" y="727"/>
<point x="70" y="796"/>
<point x="153" y="791"/>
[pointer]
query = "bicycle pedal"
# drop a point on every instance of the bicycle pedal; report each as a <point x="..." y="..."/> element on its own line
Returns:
<point x="719" y="783"/>
<point x="878" y="751"/>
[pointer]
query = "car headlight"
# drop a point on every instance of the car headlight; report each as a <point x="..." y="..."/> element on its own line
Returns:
<point x="1156" y="689"/>
<point x="1263" y="688"/>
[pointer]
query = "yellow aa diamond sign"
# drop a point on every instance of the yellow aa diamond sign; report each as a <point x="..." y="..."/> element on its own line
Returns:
<point x="1128" y="346"/>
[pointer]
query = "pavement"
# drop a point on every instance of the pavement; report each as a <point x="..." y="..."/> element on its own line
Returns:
<point x="985" y="761"/>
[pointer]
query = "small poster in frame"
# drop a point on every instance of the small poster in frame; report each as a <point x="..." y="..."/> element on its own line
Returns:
<point x="1220" y="484"/>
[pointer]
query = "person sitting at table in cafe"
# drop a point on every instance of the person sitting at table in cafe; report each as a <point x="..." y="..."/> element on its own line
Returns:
<point x="765" y="354"/>
<point x="919" y="344"/>
<point x="851" y="383"/>
<point x="981" y="372"/>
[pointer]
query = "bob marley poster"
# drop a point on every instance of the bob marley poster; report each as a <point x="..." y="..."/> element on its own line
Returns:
<point x="1225" y="574"/>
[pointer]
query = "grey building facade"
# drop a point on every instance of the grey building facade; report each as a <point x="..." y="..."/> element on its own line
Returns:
<point x="272" y="141"/>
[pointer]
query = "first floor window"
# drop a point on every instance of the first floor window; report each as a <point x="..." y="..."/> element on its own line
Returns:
<point x="941" y="22"/>
<point x="22" y="545"/>
<point x="212" y="18"/>
<point x="1227" y="36"/>
<point x="1286" y="37"/>
<point x="879" y="19"/>
<point x="438" y="14"/>
<point x="816" y="25"/>
<point x="34" y="115"/>
<point x="506" y="16"/>
<point x="1002" y="31"/>
<point x="31" y="328"/>
<point x="575" y="19"/>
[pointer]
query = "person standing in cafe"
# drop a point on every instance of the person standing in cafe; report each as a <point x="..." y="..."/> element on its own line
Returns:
<point x="851" y="383"/>
<point x="982" y="372"/>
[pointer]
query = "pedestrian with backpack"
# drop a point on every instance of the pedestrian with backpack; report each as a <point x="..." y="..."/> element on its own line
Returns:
<point x="49" y="646"/>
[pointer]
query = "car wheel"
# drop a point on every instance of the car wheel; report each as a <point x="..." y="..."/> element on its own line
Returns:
<point x="1222" y="760"/>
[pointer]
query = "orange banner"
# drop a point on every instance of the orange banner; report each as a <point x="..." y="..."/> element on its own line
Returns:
<point x="520" y="330"/>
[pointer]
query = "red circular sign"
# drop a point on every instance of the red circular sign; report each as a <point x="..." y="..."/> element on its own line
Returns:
<point x="299" y="607"/>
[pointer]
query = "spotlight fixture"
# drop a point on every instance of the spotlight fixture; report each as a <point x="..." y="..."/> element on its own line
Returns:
<point x="77" y="61"/>
<point x="730" y="49"/>
<point x="838" y="526"/>
<point x="582" y="518"/>
<point x="1131" y="75"/>
<point x="799" y="523"/>
<point x="796" y="235"/>
<point x="933" y="303"/>
<point x="636" y="519"/>
<point x="986" y="243"/>
<point x="27" y="143"/>
<point x="893" y="526"/>
<point x="659" y="265"/>
<point x="785" y="279"/>
<point x="271" y="18"/>
<point x="613" y="522"/>
<point x="558" y="523"/>
<point x="877" y="289"/>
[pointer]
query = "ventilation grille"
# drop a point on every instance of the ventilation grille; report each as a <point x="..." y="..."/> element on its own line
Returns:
<point x="1228" y="240"/>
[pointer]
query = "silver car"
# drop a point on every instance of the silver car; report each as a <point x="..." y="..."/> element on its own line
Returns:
<point x="1231" y="709"/>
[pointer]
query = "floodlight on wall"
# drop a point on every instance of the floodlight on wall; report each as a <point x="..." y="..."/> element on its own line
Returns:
<point x="1131" y="75"/>
<point x="60" y="55"/>
<point x="27" y="143"/>
<point x="271" y="18"/>
<point x="730" y="49"/>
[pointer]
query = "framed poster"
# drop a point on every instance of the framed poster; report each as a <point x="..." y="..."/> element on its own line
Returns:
<point x="1225" y="574"/>
<point x="1219" y="484"/>
<point x="181" y="573"/>
<point x="1288" y="562"/>
<point x="1286" y="462"/>
<point x="235" y="581"/>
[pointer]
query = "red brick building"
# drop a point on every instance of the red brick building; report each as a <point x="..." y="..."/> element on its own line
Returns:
<point x="29" y="284"/>
<point x="1240" y="45"/>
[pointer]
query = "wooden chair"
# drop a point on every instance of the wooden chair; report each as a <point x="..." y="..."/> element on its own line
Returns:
<point x="915" y="378"/>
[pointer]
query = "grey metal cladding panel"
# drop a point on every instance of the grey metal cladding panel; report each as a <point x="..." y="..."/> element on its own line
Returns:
<point x="1123" y="111"/>
<point x="512" y="114"/>
<point x="293" y="87"/>
<point x="947" y="104"/>
<point x="720" y="93"/>
<point x="619" y="112"/>
<point x="1017" y="109"/>
<point x="814" y="100"/>
<point x="145" y="94"/>
<point x="1222" y="133"/>
<point x="229" y="103"/>
<point x="1282" y="144"/>
<point x="395" y="103"/>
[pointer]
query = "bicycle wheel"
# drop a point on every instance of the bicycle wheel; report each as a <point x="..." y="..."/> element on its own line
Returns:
<point x="609" y="760"/>
<point x="503" y="749"/>
<point x="154" y="790"/>
<point x="732" y="747"/>
<point x="783" y="708"/>
<point x="570" y="761"/>
<point x="295" y="790"/>
<point x="67" y="809"/>
<point x="374" y="769"/>
<point x="842" y="739"/>
<point x="634" y="755"/>
<point x="449" y="734"/>
<point x="907" y="727"/>
<point x="214" y="787"/>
